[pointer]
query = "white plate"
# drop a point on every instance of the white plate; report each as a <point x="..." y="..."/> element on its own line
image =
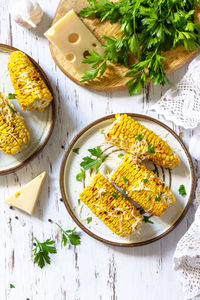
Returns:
<point x="39" y="124"/>
<point x="90" y="137"/>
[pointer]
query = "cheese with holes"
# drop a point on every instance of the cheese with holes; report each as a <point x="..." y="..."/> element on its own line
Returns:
<point x="26" y="198"/>
<point x="74" y="40"/>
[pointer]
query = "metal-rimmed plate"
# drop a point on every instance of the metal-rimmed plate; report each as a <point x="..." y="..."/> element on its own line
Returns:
<point x="90" y="137"/>
<point x="39" y="124"/>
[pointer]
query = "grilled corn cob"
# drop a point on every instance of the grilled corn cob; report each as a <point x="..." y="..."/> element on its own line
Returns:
<point x="142" y="185"/>
<point x="111" y="207"/>
<point x="135" y="138"/>
<point x="13" y="133"/>
<point x="32" y="92"/>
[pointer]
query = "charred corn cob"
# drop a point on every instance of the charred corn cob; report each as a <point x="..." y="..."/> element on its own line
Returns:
<point x="32" y="92"/>
<point x="13" y="133"/>
<point x="111" y="207"/>
<point x="131" y="136"/>
<point x="142" y="186"/>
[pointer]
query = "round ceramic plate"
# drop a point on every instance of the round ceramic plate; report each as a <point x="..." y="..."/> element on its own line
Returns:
<point x="91" y="137"/>
<point x="39" y="124"/>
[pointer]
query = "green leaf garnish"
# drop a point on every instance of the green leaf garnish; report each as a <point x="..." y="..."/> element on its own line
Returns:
<point x="155" y="171"/>
<point x="12" y="96"/>
<point x="89" y="219"/>
<point x="145" y="180"/>
<point x="69" y="235"/>
<point x="89" y="162"/>
<point x="76" y="150"/>
<point x="79" y="202"/>
<point x="182" y="190"/>
<point x="12" y="286"/>
<point x="157" y="198"/>
<point x="146" y="220"/>
<point x="138" y="137"/>
<point x="80" y="176"/>
<point x="148" y="197"/>
<point x="41" y="252"/>
<point x="115" y="195"/>
<point x="150" y="149"/>
<point x="125" y="180"/>
<point x="120" y="155"/>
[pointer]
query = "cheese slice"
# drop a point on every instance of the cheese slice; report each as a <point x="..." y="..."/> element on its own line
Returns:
<point x="26" y="198"/>
<point x="74" y="40"/>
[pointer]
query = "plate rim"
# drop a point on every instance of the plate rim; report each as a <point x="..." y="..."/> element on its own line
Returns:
<point x="70" y="211"/>
<point x="38" y="150"/>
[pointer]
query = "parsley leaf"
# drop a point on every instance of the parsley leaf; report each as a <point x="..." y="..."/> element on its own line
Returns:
<point x="89" y="162"/>
<point x="148" y="197"/>
<point x="12" y="96"/>
<point x="41" y="252"/>
<point x="150" y="149"/>
<point x="89" y="219"/>
<point x="80" y="176"/>
<point x="157" y="198"/>
<point x="115" y="195"/>
<point x="182" y="190"/>
<point x="125" y="180"/>
<point x="12" y="286"/>
<point x="120" y="155"/>
<point x="69" y="235"/>
<point x="76" y="150"/>
<point x="138" y="137"/>
<point x="145" y="180"/>
<point x="146" y="220"/>
<point x="79" y="202"/>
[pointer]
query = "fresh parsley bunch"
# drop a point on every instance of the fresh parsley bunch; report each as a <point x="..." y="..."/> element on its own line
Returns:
<point x="147" y="29"/>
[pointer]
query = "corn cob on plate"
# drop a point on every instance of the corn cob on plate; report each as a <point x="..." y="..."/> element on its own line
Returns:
<point x="31" y="90"/>
<point x="111" y="207"/>
<point x="91" y="137"/>
<point x="142" y="185"/>
<point x="130" y="135"/>
<point x="39" y="125"/>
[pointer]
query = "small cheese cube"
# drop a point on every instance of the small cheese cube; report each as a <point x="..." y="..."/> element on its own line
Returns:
<point x="26" y="198"/>
<point x="74" y="40"/>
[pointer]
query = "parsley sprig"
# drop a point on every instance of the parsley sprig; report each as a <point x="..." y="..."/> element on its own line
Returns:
<point x="147" y="29"/>
<point x="69" y="236"/>
<point x="41" y="252"/>
<point x="89" y="162"/>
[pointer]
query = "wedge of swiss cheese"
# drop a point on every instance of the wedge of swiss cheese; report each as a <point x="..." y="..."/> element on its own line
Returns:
<point x="27" y="197"/>
<point x="74" y="40"/>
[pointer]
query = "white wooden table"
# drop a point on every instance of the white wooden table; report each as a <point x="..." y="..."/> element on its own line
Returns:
<point x="92" y="270"/>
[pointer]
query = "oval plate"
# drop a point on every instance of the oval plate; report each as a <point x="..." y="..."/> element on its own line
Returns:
<point x="90" y="137"/>
<point x="39" y="124"/>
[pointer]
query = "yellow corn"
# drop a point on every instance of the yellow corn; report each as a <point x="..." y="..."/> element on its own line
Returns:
<point x="131" y="136"/>
<point x="32" y="92"/>
<point x="13" y="133"/>
<point x="111" y="207"/>
<point x="142" y="186"/>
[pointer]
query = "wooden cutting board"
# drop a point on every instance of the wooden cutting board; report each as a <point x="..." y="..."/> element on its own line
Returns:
<point x="113" y="78"/>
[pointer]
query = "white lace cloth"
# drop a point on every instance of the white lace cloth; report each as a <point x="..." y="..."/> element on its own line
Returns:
<point x="181" y="104"/>
<point x="187" y="255"/>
